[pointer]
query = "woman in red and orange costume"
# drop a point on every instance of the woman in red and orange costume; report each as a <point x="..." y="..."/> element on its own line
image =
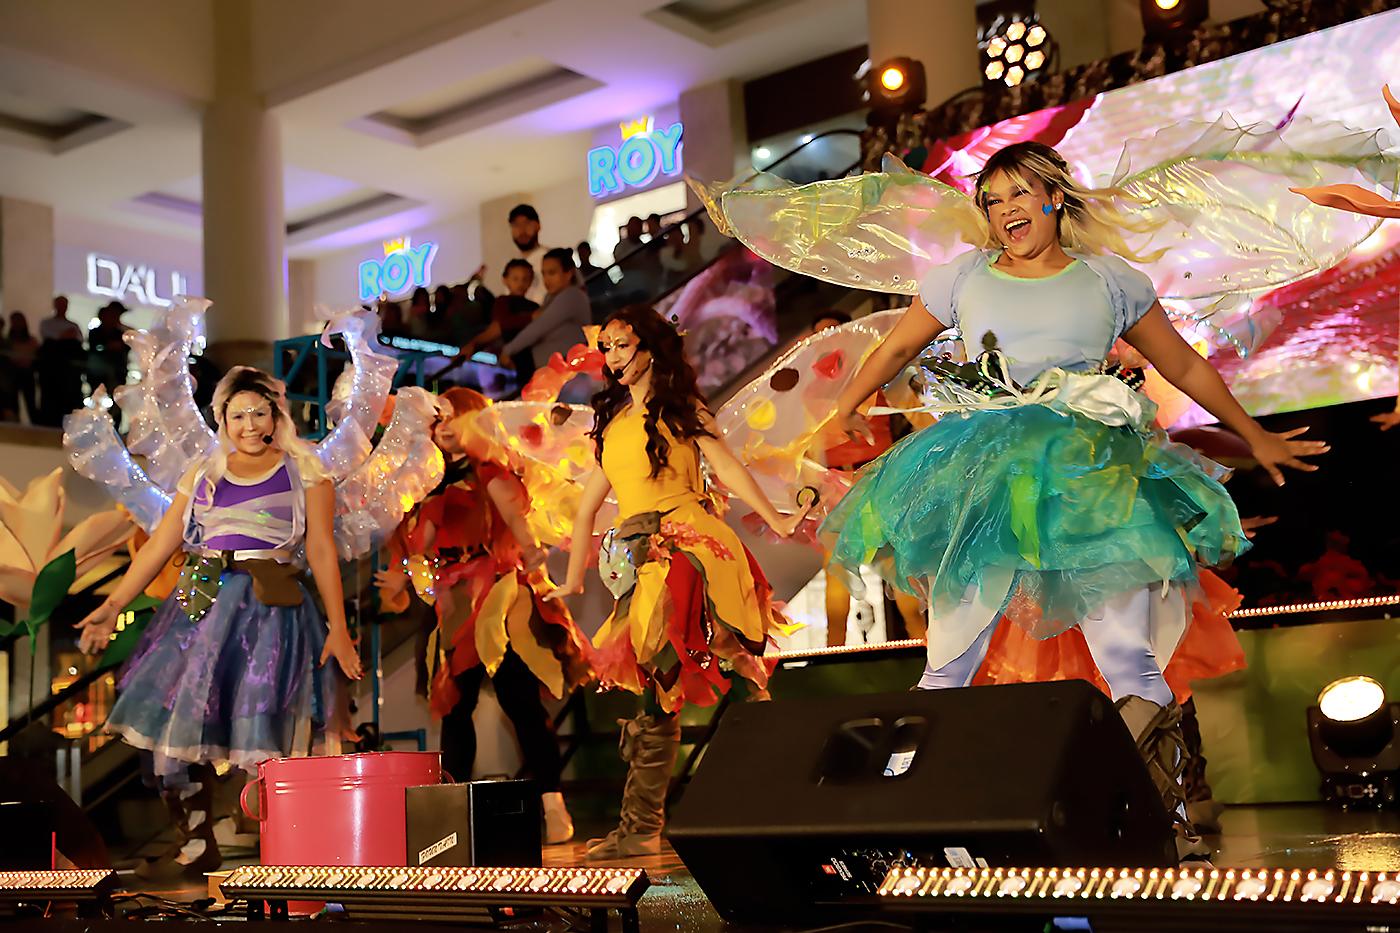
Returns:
<point x="470" y="550"/>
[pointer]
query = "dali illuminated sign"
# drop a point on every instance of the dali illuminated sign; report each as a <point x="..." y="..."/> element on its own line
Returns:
<point x="134" y="282"/>
<point x="646" y="151"/>
<point x="403" y="268"/>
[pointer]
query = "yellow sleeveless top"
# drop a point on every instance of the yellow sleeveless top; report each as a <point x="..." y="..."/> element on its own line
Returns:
<point x="628" y="469"/>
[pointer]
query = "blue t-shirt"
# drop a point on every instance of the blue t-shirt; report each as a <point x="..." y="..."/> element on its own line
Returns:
<point x="1069" y="319"/>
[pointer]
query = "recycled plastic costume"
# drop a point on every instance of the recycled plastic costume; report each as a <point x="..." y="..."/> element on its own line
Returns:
<point x="229" y="669"/>
<point x="1042" y="495"/>
<point x="474" y="554"/>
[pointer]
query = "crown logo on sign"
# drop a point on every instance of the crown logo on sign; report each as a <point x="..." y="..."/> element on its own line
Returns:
<point x="635" y="127"/>
<point x="395" y="246"/>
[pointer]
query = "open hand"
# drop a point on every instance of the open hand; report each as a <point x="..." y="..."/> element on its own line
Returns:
<point x="1387" y="419"/>
<point x="564" y="589"/>
<point x="534" y="557"/>
<point x="1254" y="523"/>
<point x="392" y="579"/>
<point x="340" y="647"/>
<point x="96" y="630"/>
<point x="1279" y="450"/>
<point x="856" y="426"/>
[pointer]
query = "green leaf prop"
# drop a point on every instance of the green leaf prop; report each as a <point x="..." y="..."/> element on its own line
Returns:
<point x="50" y="587"/>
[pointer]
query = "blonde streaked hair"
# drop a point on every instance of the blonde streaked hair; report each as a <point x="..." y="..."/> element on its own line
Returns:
<point x="1093" y="220"/>
<point x="284" y="432"/>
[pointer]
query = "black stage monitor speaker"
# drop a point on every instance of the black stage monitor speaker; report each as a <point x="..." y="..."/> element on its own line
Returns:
<point x="799" y="806"/>
<point x="484" y="823"/>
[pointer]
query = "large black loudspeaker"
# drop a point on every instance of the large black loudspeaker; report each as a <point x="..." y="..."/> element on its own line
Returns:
<point x="799" y="806"/>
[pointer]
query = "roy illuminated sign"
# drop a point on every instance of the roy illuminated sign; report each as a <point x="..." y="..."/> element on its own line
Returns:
<point x="137" y="283"/>
<point x="403" y="268"/>
<point x="646" y="152"/>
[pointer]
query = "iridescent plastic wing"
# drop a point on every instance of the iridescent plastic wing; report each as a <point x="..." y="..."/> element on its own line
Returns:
<point x="371" y="379"/>
<point x="1217" y="195"/>
<point x="550" y="444"/>
<point x="403" y="468"/>
<point x="96" y="451"/>
<point x="164" y="424"/>
<point x="778" y="423"/>
<point x="875" y="231"/>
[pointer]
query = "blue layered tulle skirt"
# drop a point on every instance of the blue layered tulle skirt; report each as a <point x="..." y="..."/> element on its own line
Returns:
<point x="1077" y="510"/>
<point x="239" y="685"/>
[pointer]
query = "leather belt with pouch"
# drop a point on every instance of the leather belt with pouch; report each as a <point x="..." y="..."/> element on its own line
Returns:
<point x="625" y="548"/>
<point x="276" y="580"/>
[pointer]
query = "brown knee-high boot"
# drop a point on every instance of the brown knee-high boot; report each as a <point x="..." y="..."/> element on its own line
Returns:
<point x="1157" y="731"/>
<point x="649" y="746"/>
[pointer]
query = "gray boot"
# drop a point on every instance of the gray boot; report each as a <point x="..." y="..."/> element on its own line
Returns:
<point x="649" y="745"/>
<point x="1157" y="731"/>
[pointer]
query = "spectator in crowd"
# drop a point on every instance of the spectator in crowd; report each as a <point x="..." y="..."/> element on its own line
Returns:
<point x="654" y="230"/>
<point x="560" y="322"/>
<point x="419" y="311"/>
<point x="107" y="351"/>
<point x="391" y="322"/>
<point x="594" y="278"/>
<point x="17" y="378"/>
<point x="706" y="248"/>
<point x="525" y="232"/>
<point x="59" y="365"/>
<point x="470" y="312"/>
<point x="640" y="263"/>
<point x="674" y="259"/>
<point x="510" y="314"/>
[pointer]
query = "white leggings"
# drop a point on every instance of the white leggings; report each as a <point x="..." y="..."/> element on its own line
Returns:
<point x="1119" y="640"/>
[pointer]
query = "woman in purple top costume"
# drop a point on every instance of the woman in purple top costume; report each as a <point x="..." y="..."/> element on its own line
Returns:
<point x="229" y="668"/>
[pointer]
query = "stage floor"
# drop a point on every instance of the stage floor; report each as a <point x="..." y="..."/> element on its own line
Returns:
<point x="1291" y="836"/>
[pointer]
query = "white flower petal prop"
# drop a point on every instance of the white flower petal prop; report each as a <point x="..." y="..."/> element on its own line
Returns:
<point x="31" y="534"/>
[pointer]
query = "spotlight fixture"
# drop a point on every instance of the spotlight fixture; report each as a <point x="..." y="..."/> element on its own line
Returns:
<point x="1166" y="20"/>
<point x="1015" y="48"/>
<point x="1354" y="735"/>
<point x="896" y="86"/>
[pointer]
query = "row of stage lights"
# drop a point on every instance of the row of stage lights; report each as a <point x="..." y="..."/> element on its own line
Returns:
<point x="1015" y="47"/>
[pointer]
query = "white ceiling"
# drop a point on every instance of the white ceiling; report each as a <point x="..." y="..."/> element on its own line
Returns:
<point x="428" y="107"/>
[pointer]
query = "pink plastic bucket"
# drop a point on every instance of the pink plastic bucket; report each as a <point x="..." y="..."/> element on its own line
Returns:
<point x="338" y="810"/>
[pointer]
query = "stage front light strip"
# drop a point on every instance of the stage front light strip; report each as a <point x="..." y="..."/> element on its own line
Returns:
<point x="1367" y="602"/>
<point x="82" y="884"/>
<point x="1246" y="894"/>
<point x="574" y="887"/>
<point x="797" y="654"/>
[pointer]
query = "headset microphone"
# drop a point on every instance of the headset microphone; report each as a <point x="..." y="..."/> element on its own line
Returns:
<point x="267" y="438"/>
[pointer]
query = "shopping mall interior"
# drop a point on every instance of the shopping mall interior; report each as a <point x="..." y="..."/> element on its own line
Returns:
<point x="437" y="229"/>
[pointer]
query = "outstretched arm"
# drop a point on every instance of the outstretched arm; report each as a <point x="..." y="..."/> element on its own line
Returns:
<point x="1156" y="339"/>
<point x="509" y="498"/>
<point x="589" y="503"/>
<point x="736" y="477"/>
<point x="915" y="330"/>
<point x="97" y="628"/>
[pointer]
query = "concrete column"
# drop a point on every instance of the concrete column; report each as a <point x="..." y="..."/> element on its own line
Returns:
<point x="942" y="34"/>
<point x="301" y="297"/>
<point x="26" y="260"/>
<point x="716" y="144"/>
<point x="244" y="230"/>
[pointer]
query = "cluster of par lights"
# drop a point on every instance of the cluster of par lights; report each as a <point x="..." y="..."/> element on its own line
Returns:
<point x="1014" y="50"/>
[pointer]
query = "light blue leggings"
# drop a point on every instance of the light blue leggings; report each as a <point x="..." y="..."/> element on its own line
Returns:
<point x="1119" y="642"/>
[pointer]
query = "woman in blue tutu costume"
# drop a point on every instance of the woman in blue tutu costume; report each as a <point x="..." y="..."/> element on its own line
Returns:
<point x="228" y="670"/>
<point x="1048" y="498"/>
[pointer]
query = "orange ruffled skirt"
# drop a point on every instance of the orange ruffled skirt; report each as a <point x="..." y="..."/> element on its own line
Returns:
<point x="1209" y="648"/>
